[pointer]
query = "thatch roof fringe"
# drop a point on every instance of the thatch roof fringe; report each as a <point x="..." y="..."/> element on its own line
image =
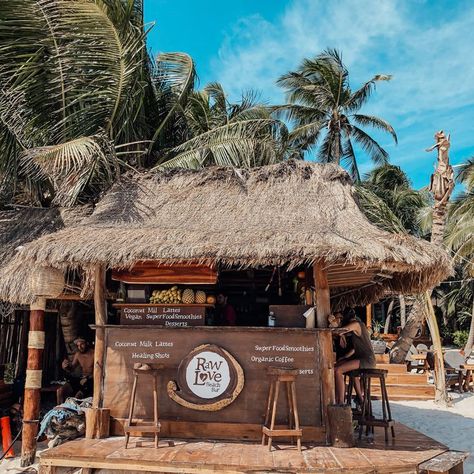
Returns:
<point x="289" y="214"/>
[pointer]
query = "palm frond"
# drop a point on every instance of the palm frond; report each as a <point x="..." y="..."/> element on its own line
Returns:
<point x="72" y="166"/>
<point x="362" y="95"/>
<point x="174" y="78"/>
<point x="370" y="146"/>
<point x="378" y="212"/>
<point x="243" y="144"/>
<point x="375" y="122"/>
<point x="349" y="160"/>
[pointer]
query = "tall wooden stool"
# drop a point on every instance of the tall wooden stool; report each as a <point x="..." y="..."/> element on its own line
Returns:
<point x="287" y="377"/>
<point x="366" y="417"/>
<point x="142" y="370"/>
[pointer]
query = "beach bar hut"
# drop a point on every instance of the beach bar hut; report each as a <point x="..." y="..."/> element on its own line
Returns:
<point x="279" y="239"/>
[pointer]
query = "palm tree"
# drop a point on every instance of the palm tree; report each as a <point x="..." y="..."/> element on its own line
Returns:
<point x="459" y="238"/>
<point x="441" y="187"/>
<point x="220" y="132"/>
<point x="398" y="206"/>
<point x="325" y="112"/>
<point x="81" y="101"/>
<point x="388" y="200"/>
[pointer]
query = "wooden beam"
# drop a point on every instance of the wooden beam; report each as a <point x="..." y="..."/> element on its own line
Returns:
<point x="323" y="299"/>
<point x="328" y="393"/>
<point x="368" y="315"/>
<point x="32" y="397"/>
<point x="100" y="307"/>
<point x="98" y="418"/>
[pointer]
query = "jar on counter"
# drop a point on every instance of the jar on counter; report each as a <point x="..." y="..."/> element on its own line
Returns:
<point x="271" y="319"/>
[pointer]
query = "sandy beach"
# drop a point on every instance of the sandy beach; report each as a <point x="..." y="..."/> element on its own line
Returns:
<point x="452" y="426"/>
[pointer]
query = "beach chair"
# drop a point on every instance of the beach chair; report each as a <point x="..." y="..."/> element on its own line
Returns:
<point x="455" y="364"/>
<point x="415" y="360"/>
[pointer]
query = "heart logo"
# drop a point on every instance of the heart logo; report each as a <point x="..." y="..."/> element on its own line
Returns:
<point x="203" y="376"/>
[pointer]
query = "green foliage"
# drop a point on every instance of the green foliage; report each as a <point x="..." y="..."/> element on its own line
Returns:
<point x="460" y="338"/>
<point x="387" y="199"/>
<point x="325" y="112"/>
<point x="81" y="100"/>
<point x="459" y="235"/>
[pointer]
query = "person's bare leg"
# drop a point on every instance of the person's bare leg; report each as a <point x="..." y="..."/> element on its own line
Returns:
<point x="64" y="392"/>
<point x="358" y="388"/>
<point x="339" y="372"/>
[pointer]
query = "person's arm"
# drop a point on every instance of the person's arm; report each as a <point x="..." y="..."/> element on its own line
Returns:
<point x="351" y="327"/>
<point x="69" y="366"/>
<point x="347" y="355"/>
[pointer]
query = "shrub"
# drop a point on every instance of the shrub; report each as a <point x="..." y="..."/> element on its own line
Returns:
<point x="460" y="338"/>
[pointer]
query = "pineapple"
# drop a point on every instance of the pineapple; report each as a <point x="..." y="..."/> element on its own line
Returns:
<point x="200" y="297"/>
<point x="187" y="296"/>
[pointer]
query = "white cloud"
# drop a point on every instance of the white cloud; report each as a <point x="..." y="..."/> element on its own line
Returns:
<point x="428" y="50"/>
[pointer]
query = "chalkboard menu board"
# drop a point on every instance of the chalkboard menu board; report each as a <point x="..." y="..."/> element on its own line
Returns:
<point x="162" y="315"/>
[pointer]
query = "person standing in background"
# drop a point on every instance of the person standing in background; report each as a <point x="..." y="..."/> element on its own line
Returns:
<point x="225" y="313"/>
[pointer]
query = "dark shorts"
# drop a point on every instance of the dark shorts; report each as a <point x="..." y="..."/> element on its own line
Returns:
<point x="367" y="363"/>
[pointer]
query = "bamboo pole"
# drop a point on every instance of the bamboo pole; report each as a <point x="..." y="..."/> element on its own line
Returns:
<point x="323" y="299"/>
<point x="326" y="362"/>
<point x="32" y="397"/>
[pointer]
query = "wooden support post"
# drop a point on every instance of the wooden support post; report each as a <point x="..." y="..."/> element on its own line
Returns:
<point x="97" y="423"/>
<point x="32" y="397"/>
<point x="308" y="283"/>
<point x="328" y="393"/>
<point x="97" y="417"/>
<point x="340" y="426"/>
<point x="368" y="314"/>
<point x="323" y="299"/>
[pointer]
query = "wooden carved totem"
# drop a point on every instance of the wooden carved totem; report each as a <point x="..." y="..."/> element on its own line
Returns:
<point x="441" y="185"/>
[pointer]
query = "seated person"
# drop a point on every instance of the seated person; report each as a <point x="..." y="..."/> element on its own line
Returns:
<point x="78" y="386"/>
<point x="361" y="355"/>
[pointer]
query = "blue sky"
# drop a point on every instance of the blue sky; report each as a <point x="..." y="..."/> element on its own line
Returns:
<point x="427" y="45"/>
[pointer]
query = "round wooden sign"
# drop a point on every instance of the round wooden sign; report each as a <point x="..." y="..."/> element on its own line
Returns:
<point x="209" y="378"/>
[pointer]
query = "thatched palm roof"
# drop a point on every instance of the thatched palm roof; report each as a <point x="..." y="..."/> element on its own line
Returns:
<point x="287" y="214"/>
<point x="18" y="227"/>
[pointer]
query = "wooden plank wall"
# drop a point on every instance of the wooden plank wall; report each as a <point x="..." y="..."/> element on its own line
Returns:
<point x="254" y="349"/>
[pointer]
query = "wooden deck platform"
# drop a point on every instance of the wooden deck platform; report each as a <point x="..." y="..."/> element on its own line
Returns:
<point x="409" y="449"/>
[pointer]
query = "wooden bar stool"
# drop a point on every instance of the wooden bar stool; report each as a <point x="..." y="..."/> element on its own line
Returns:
<point x="366" y="417"/>
<point x="287" y="377"/>
<point x="142" y="370"/>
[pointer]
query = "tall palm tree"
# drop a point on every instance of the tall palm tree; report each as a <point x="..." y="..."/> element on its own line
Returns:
<point x="325" y="112"/>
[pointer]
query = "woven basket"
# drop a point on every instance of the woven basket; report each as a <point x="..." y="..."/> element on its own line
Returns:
<point x="47" y="282"/>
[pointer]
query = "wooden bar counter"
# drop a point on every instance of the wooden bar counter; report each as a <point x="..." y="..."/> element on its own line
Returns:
<point x="227" y="364"/>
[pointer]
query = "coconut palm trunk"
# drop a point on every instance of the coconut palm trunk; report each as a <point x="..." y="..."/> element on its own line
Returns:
<point x="470" y="340"/>
<point x="403" y="311"/>
<point x="441" y="186"/>
<point x="389" y="317"/>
